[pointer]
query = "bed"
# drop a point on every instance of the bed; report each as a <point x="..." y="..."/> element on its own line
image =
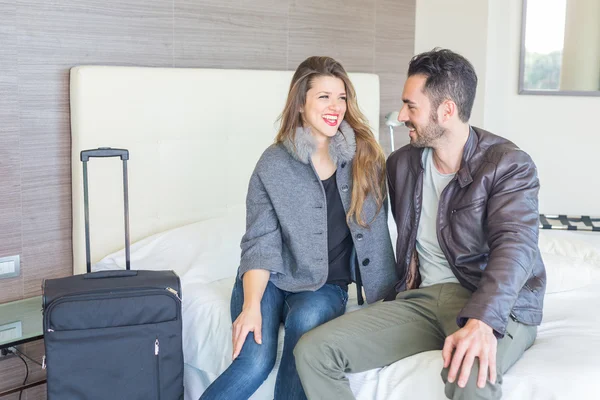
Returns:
<point x="190" y="130"/>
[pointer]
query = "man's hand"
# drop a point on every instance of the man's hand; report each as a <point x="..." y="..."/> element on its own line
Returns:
<point x="249" y="320"/>
<point x="475" y="339"/>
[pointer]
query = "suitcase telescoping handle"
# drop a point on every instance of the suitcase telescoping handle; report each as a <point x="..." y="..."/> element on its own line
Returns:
<point x="104" y="152"/>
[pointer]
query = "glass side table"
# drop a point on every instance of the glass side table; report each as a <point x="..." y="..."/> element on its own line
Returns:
<point x="21" y="322"/>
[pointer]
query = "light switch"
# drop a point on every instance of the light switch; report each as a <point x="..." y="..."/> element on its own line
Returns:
<point x="9" y="267"/>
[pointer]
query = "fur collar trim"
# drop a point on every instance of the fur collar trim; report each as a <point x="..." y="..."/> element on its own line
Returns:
<point x="342" y="146"/>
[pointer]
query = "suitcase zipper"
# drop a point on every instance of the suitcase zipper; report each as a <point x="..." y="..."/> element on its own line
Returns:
<point x="172" y="293"/>
<point x="109" y="291"/>
<point x="157" y="357"/>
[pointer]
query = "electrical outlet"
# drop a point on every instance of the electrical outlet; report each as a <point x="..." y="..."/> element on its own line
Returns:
<point x="10" y="267"/>
<point x="11" y="331"/>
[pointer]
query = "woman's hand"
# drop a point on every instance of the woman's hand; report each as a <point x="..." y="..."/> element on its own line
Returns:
<point x="249" y="320"/>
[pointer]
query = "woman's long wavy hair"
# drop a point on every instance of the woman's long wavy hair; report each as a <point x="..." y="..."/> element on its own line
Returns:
<point x="368" y="170"/>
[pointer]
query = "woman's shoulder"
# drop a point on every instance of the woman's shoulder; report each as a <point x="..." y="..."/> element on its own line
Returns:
<point x="276" y="150"/>
<point x="274" y="155"/>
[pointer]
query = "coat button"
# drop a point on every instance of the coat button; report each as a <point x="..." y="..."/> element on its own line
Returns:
<point x="345" y="188"/>
<point x="366" y="262"/>
<point x="343" y="165"/>
<point x="359" y="236"/>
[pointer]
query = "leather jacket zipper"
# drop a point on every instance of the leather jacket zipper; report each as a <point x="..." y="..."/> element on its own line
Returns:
<point x="413" y="236"/>
<point x="438" y="231"/>
<point x="532" y="290"/>
<point x="468" y="206"/>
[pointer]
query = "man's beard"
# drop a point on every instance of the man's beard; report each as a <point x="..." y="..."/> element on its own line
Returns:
<point x="427" y="135"/>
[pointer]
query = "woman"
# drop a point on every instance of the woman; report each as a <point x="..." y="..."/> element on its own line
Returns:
<point x="315" y="205"/>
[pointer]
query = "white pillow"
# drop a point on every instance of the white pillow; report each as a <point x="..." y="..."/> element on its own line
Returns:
<point x="209" y="249"/>
<point x="568" y="273"/>
<point x="585" y="245"/>
<point x="572" y="259"/>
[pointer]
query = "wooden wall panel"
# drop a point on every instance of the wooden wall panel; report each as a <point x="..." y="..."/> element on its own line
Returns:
<point x="342" y="29"/>
<point x="231" y="34"/>
<point x="10" y="157"/>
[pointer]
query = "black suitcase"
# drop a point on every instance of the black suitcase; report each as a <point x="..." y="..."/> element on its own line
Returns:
<point x="113" y="335"/>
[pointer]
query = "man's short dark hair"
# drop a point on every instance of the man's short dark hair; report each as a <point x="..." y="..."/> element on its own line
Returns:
<point x="449" y="76"/>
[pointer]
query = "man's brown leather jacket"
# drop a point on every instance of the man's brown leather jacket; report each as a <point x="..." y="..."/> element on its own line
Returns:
<point x="487" y="227"/>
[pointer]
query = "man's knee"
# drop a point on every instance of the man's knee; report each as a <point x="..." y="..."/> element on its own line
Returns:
<point x="306" y="349"/>
<point x="314" y="348"/>
<point x="471" y="391"/>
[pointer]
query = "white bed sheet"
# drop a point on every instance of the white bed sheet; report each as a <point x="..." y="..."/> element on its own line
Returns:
<point x="563" y="363"/>
<point x="207" y="335"/>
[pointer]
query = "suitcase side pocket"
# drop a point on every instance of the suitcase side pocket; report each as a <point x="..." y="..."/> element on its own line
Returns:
<point x="112" y="309"/>
<point x="100" y="364"/>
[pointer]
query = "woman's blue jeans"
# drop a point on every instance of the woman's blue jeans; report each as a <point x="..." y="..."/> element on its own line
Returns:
<point x="299" y="312"/>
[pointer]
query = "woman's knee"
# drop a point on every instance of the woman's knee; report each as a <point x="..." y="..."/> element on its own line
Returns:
<point x="307" y="318"/>
<point x="256" y="360"/>
<point x="298" y="325"/>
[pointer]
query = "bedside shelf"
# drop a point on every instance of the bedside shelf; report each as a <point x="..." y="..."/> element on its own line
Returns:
<point x="21" y="322"/>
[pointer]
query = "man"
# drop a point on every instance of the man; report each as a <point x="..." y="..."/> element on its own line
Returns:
<point x="472" y="280"/>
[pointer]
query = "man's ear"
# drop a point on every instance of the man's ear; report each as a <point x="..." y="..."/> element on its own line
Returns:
<point x="448" y="110"/>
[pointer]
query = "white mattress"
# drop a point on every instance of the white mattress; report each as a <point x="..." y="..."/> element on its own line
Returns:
<point x="563" y="363"/>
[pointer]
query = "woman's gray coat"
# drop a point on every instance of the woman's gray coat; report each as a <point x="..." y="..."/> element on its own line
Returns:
<point x="286" y="219"/>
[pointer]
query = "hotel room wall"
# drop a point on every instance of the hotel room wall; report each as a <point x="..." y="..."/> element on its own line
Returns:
<point x="559" y="132"/>
<point x="41" y="40"/>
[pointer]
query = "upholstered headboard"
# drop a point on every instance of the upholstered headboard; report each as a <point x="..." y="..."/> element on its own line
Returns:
<point x="194" y="136"/>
